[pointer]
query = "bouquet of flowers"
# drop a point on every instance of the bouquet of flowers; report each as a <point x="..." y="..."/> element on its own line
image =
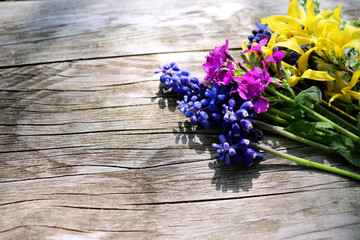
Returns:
<point x="298" y="77"/>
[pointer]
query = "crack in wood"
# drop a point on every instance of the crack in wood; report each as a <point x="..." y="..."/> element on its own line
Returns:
<point x="44" y="149"/>
<point x="70" y="60"/>
<point x="84" y="109"/>
<point x="50" y="177"/>
<point x="223" y="199"/>
<point x="137" y="168"/>
<point x="101" y="208"/>
<point x="43" y="226"/>
<point x="99" y="194"/>
<point x="22" y="201"/>
<point x="322" y="230"/>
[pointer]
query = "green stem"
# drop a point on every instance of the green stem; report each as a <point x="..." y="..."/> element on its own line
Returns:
<point x="281" y="114"/>
<point x="287" y="87"/>
<point x="309" y="163"/>
<point x="275" y="118"/>
<point x="317" y="136"/>
<point x="268" y="127"/>
<point x="316" y="115"/>
<point x="336" y="118"/>
<point x="336" y="65"/>
<point x="339" y="111"/>
<point x="319" y="132"/>
<point x="286" y="116"/>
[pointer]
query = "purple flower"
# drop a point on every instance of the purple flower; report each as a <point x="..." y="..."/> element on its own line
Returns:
<point x="276" y="57"/>
<point x="251" y="85"/>
<point x="217" y="68"/>
<point x="257" y="47"/>
<point x="226" y="150"/>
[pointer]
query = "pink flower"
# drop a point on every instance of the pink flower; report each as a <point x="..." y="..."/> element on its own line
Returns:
<point x="276" y="57"/>
<point x="257" y="47"/>
<point x="251" y="85"/>
<point x="217" y="66"/>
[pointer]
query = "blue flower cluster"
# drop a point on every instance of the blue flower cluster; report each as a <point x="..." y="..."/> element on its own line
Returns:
<point x="259" y="34"/>
<point x="215" y="106"/>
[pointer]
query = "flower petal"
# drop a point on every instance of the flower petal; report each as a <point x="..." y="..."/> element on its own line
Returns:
<point x="293" y="6"/>
<point x="333" y="98"/>
<point x="303" y="60"/>
<point x="317" y="75"/>
<point x="354" y="79"/>
<point x="354" y="94"/>
<point x="292" y="45"/>
<point x="354" y="43"/>
<point x="261" y="105"/>
<point x="346" y="90"/>
<point x="293" y="80"/>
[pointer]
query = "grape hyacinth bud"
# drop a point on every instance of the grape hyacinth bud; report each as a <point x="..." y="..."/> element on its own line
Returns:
<point x="246" y="124"/>
<point x="249" y="155"/>
<point x="242" y="113"/>
<point x="244" y="143"/>
<point x="248" y="105"/>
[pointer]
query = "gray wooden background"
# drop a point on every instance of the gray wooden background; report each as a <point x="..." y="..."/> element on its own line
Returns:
<point x="90" y="149"/>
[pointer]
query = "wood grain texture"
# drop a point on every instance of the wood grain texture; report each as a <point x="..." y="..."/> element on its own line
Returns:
<point x="92" y="29"/>
<point x="91" y="149"/>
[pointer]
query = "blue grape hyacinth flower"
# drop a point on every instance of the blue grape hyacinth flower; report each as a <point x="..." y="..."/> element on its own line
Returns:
<point x="225" y="150"/>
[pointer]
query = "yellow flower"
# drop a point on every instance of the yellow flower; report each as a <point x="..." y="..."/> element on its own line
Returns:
<point x="290" y="44"/>
<point x="333" y="40"/>
<point x="305" y="27"/>
<point x="302" y="72"/>
<point x="346" y="93"/>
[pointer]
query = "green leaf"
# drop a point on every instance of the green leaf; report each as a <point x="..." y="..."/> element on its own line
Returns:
<point x="301" y="126"/>
<point x="323" y="125"/>
<point x="346" y="147"/>
<point x="296" y="112"/>
<point x="309" y="97"/>
<point x="307" y="128"/>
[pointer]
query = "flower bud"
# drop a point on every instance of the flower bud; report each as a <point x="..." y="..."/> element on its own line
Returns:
<point x="246" y="124"/>
<point x="243" y="143"/>
<point x="232" y="103"/>
<point x="236" y="130"/>
<point x="242" y="113"/>
<point x="248" y="105"/>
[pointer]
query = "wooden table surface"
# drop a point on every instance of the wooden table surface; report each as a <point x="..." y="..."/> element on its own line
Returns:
<point x="90" y="149"/>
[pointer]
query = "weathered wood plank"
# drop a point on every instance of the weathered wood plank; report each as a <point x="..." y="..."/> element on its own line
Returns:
<point x="81" y="112"/>
<point x="93" y="29"/>
<point x="90" y="149"/>
<point x="108" y="206"/>
<point x="108" y="161"/>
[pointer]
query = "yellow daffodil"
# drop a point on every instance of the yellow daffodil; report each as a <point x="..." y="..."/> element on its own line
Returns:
<point x="345" y="93"/>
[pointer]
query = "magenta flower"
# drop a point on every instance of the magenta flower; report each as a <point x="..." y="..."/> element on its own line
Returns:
<point x="217" y="68"/>
<point x="276" y="57"/>
<point x="257" y="47"/>
<point x="251" y="85"/>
